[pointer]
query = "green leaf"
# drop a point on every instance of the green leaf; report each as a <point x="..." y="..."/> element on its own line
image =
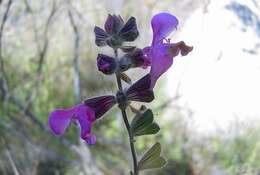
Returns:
<point x="143" y="124"/>
<point x="152" y="158"/>
<point x="152" y="153"/>
<point x="151" y="129"/>
<point x="157" y="163"/>
<point x="142" y="120"/>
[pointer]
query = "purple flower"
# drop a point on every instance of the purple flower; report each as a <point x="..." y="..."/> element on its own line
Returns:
<point x="161" y="53"/>
<point x="85" y="115"/>
<point x="60" y="119"/>
<point x="106" y="64"/>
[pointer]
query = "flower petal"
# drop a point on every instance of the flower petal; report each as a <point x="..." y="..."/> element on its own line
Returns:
<point x="91" y="139"/>
<point x="161" y="61"/>
<point x="162" y="56"/>
<point x="85" y="116"/>
<point x="163" y="24"/>
<point x="60" y="119"/>
<point x="101" y="104"/>
<point x="180" y="47"/>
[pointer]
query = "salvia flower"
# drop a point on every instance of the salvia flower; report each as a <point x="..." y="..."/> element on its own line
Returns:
<point x="116" y="32"/>
<point x="60" y="119"/>
<point x="84" y="114"/>
<point x="106" y="64"/>
<point x="161" y="53"/>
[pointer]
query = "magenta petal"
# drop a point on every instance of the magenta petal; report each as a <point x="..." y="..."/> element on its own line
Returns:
<point x="60" y="119"/>
<point x="91" y="140"/>
<point x="86" y="116"/>
<point x="147" y="58"/>
<point x="161" y="61"/>
<point x="163" y="24"/>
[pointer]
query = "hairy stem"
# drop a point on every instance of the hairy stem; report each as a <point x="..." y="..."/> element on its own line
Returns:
<point x="124" y="115"/>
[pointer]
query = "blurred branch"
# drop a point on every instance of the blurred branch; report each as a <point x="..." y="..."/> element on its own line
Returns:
<point x="28" y="113"/>
<point x="76" y="72"/>
<point x="42" y="51"/>
<point x="24" y="138"/>
<point x="88" y="164"/>
<point x="46" y="39"/>
<point x="9" y="157"/>
<point x="3" y="80"/>
<point x="36" y="36"/>
<point x="4" y="85"/>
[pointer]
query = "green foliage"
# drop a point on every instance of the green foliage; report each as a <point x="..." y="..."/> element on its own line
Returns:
<point x="152" y="159"/>
<point x="143" y="124"/>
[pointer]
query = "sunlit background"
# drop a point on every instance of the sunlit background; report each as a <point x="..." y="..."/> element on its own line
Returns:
<point x="207" y="104"/>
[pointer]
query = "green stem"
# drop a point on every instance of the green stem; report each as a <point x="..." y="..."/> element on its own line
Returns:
<point x="124" y="115"/>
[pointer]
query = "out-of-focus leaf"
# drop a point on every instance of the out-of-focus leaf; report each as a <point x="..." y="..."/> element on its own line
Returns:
<point x="152" y="158"/>
<point x="142" y="120"/>
<point x="151" y="129"/>
<point x="143" y="124"/>
<point x="157" y="163"/>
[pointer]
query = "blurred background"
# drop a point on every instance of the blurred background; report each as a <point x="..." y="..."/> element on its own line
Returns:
<point x="207" y="105"/>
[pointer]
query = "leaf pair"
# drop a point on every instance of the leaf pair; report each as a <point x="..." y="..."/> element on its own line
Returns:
<point x="143" y="124"/>
<point x="152" y="158"/>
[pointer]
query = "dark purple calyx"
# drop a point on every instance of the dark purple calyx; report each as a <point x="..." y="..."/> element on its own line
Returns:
<point x="141" y="90"/>
<point x="100" y="105"/>
<point x="106" y="64"/>
<point x="116" y="31"/>
<point x="113" y="24"/>
<point x="129" y="32"/>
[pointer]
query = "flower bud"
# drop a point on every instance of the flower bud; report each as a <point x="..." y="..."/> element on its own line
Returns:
<point x="124" y="64"/>
<point x="136" y="57"/>
<point x="116" y="32"/>
<point x="129" y="32"/>
<point x="113" y="24"/>
<point x="106" y="64"/>
<point x="114" y="41"/>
